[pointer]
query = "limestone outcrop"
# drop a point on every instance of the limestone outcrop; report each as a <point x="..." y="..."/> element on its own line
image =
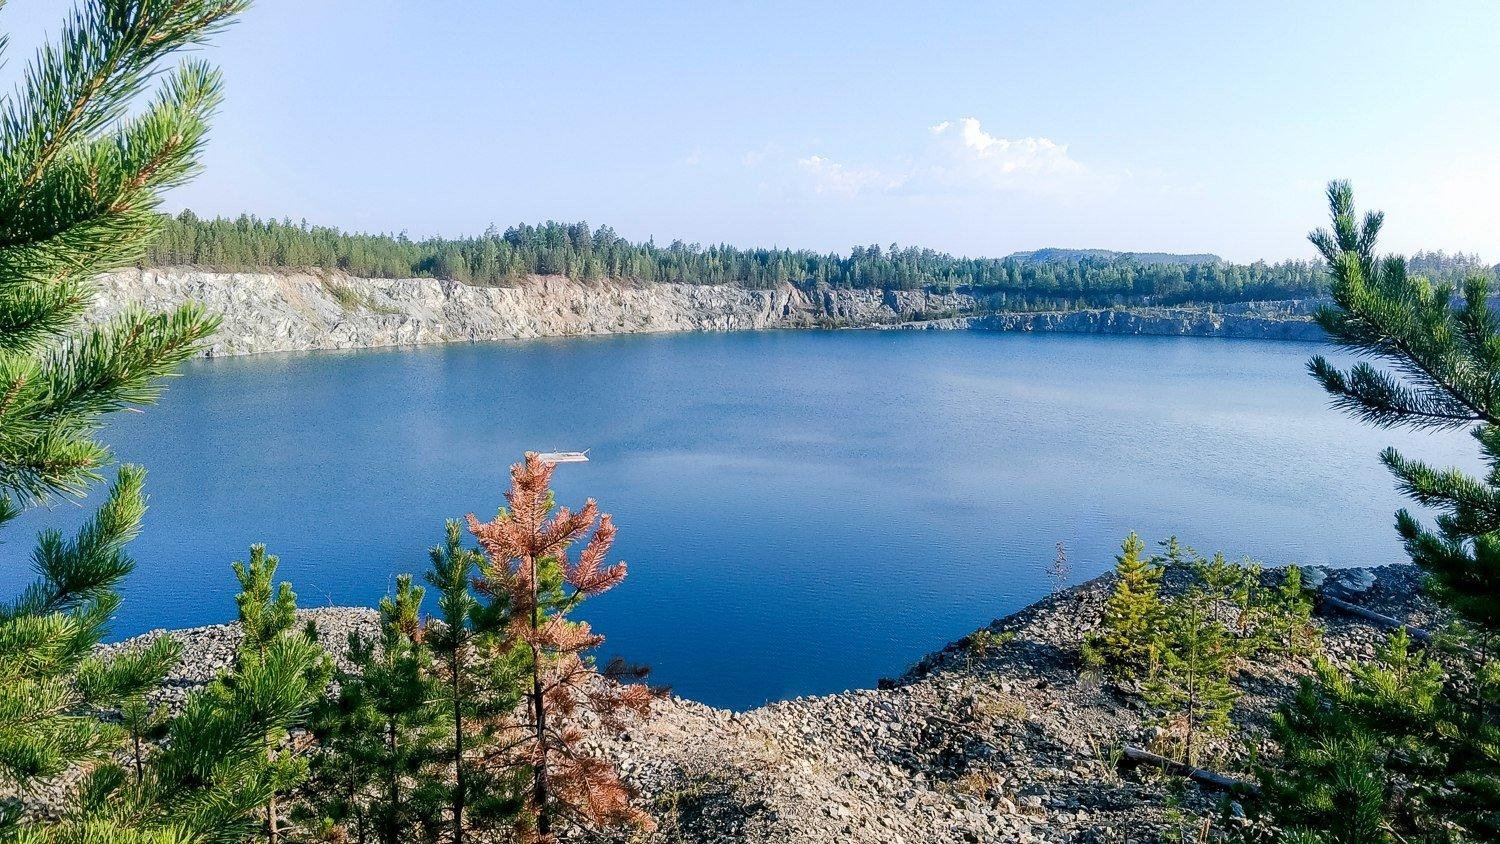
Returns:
<point x="304" y="311"/>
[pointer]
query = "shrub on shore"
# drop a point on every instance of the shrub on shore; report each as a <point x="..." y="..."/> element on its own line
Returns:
<point x="1181" y="647"/>
<point x="1407" y="748"/>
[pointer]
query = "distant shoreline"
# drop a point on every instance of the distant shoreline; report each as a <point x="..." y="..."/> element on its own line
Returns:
<point x="266" y="312"/>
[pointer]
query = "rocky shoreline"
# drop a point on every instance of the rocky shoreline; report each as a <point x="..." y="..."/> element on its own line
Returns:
<point x="1013" y="745"/>
<point x="1290" y="320"/>
<point x="1016" y="745"/>
<point x="315" y="310"/>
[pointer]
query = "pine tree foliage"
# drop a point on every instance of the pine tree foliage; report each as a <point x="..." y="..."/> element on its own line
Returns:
<point x="528" y="565"/>
<point x="1194" y="659"/>
<point x="1180" y="641"/>
<point x="1278" y="618"/>
<point x="1229" y="613"/>
<point x="452" y="569"/>
<point x="380" y="737"/>
<point x="1443" y="354"/>
<point x="1132" y="612"/>
<point x="1358" y="751"/>
<point x="1265" y="615"/>
<point x="1474" y="761"/>
<point x="213" y="774"/>
<point x="266" y="611"/>
<point x="143" y="720"/>
<point x="79" y="179"/>
<point x="268" y="619"/>
<point x="1429" y="733"/>
<point x="99" y="832"/>
<point x="50" y="685"/>
<point x="479" y="678"/>
<point x="218" y="765"/>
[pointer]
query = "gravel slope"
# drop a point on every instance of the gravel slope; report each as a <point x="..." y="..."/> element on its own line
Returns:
<point x="1014" y="747"/>
<point x="1017" y="747"/>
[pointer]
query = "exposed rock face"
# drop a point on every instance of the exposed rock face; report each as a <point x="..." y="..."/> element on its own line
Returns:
<point x="292" y="311"/>
<point x="1257" y="320"/>
<point x="265" y="312"/>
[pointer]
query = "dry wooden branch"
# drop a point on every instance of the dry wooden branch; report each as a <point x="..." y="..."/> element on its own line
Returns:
<point x="1140" y="756"/>
<point x="1381" y="619"/>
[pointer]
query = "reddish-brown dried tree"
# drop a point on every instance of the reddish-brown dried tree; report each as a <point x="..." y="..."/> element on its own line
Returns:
<point x="529" y="567"/>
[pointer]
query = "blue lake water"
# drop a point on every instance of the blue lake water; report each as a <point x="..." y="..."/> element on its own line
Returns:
<point x="802" y="511"/>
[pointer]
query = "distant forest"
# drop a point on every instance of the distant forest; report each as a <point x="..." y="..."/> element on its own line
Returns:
<point x="579" y="251"/>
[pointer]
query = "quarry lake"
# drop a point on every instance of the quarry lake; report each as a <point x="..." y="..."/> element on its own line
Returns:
<point x="802" y="512"/>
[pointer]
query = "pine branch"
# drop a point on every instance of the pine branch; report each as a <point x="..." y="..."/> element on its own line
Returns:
<point x="79" y="182"/>
<point x="108" y="682"/>
<point x="102" y="194"/>
<point x="1379" y="399"/>
<point x="51" y="407"/>
<point x="1473" y="508"/>
<point x="71" y="574"/>
<point x="105" y="58"/>
<point x="34" y="315"/>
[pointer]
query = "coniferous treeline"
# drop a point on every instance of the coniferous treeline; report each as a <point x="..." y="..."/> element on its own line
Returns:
<point x="583" y="252"/>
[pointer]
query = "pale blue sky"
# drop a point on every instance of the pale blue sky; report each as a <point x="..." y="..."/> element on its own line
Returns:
<point x="1141" y="126"/>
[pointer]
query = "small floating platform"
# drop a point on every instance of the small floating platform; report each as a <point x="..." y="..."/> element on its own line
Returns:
<point x="564" y="456"/>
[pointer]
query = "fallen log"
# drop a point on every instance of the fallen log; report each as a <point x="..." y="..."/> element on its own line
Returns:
<point x="1140" y="756"/>
<point x="1381" y="619"/>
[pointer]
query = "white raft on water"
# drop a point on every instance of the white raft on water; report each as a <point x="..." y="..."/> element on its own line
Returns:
<point x="564" y="456"/>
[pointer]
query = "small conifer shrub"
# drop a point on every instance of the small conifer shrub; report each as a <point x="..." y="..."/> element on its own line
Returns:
<point x="1359" y="750"/>
<point x="480" y="676"/>
<point x="268" y="617"/>
<point x="377" y="771"/>
<point x="1195" y="657"/>
<point x="1132" y="612"/>
<point x="529" y="567"/>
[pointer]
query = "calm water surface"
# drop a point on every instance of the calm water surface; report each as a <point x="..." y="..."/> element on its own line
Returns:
<point x="802" y="511"/>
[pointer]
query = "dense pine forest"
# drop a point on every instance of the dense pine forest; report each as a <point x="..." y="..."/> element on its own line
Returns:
<point x="583" y="252"/>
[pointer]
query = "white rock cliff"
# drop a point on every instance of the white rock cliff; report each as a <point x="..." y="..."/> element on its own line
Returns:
<point x="303" y="311"/>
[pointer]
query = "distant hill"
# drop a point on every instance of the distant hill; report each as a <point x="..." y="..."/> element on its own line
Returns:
<point x="1068" y="256"/>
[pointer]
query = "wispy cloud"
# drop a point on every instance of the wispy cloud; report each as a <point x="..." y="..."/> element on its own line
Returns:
<point x="959" y="157"/>
<point x="835" y="178"/>
<point x="965" y="154"/>
<point x="755" y="157"/>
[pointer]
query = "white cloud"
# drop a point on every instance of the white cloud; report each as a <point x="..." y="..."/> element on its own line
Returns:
<point x="959" y="158"/>
<point x="964" y="156"/>
<point x="835" y="178"/>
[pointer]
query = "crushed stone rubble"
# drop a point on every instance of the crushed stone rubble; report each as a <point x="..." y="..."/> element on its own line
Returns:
<point x="1015" y="746"/>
